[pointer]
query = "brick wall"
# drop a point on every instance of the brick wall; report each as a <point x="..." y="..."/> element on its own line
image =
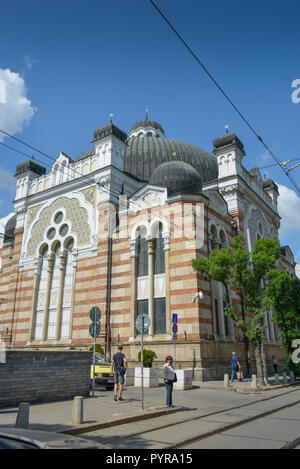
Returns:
<point x="40" y="376"/>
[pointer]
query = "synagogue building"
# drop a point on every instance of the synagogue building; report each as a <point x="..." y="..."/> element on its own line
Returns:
<point x="117" y="227"/>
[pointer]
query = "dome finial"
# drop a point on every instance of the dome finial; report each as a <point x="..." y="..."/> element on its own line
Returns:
<point x="146" y="110"/>
<point x="226" y="127"/>
<point x="111" y="116"/>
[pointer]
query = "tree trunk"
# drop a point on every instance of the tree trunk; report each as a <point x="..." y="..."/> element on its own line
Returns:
<point x="259" y="365"/>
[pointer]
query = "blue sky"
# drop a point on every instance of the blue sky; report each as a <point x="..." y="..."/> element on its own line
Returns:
<point x="74" y="62"/>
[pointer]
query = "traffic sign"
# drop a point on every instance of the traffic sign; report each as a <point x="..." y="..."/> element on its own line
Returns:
<point x="175" y="318"/>
<point x="92" y="330"/>
<point x="174" y="328"/>
<point x="95" y="314"/>
<point x="139" y="322"/>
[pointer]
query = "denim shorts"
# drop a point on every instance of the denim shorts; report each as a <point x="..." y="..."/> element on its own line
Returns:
<point x="119" y="378"/>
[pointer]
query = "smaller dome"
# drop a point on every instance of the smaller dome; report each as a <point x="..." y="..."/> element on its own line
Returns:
<point x="177" y="176"/>
<point x="146" y="123"/>
<point x="10" y="227"/>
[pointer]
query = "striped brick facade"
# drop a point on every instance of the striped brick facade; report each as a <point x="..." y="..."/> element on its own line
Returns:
<point x="103" y="270"/>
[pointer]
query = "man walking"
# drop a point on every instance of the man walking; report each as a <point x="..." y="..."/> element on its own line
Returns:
<point x="119" y="367"/>
<point x="234" y="365"/>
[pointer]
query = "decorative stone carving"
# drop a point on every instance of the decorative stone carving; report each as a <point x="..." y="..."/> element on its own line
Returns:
<point x="74" y="212"/>
<point x="31" y="213"/>
<point x="90" y="195"/>
<point x="103" y="180"/>
<point x="149" y="200"/>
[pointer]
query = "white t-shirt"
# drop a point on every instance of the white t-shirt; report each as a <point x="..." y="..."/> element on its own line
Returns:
<point x="168" y="372"/>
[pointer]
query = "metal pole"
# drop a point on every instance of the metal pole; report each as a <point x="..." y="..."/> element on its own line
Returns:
<point x="94" y="356"/>
<point x="174" y="352"/>
<point x="142" y="363"/>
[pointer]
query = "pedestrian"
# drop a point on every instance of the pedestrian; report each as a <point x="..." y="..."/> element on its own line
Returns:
<point x="235" y="365"/>
<point x="275" y="363"/>
<point x="169" y="376"/>
<point x="118" y="367"/>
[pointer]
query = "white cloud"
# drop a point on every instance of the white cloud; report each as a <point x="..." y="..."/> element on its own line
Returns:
<point x="289" y="210"/>
<point x="7" y="181"/>
<point x="16" y="110"/>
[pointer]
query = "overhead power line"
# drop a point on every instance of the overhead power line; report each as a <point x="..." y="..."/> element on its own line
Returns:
<point x="54" y="160"/>
<point x="272" y="165"/>
<point x="274" y="156"/>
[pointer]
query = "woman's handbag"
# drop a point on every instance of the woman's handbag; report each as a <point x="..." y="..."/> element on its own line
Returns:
<point x="175" y="378"/>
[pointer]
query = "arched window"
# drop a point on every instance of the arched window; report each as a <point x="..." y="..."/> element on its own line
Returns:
<point x="159" y="252"/>
<point x="40" y="309"/>
<point x="223" y="240"/>
<point x="67" y="297"/>
<point x="213" y="236"/>
<point x="54" y="289"/>
<point x="142" y="254"/>
<point x="54" y="294"/>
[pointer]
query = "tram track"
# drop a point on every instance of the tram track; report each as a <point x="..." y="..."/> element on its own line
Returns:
<point x="220" y="429"/>
<point x="239" y="423"/>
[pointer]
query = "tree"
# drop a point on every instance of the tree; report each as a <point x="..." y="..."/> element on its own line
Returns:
<point x="283" y="296"/>
<point x="246" y="272"/>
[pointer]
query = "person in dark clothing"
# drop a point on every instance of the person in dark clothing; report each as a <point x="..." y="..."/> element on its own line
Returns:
<point x="275" y="364"/>
<point x="119" y="367"/>
<point x="234" y="365"/>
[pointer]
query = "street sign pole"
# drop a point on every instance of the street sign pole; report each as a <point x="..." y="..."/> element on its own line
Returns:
<point x="94" y="330"/>
<point x="94" y="357"/>
<point x="142" y="363"/>
<point x="174" y="336"/>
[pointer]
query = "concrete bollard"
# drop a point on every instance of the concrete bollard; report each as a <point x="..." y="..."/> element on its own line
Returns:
<point x="284" y="377"/>
<point x="77" y="414"/>
<point x="292" y="376"/>
<point x="254" y="382"/>
<point x="226" y="381"/>
<point x="22" y="420"/>
<point x="277" y="378"/>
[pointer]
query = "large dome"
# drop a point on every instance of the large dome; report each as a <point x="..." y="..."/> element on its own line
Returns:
<point x="145" y="153"/>
<point x="177" y="176"/>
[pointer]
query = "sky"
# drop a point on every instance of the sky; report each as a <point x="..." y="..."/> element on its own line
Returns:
<point x="66" y="65"/>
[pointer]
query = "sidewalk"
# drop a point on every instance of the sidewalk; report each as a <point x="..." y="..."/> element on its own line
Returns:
<point x="245" y="386"/>
<point x="98" y="411"/>
<point x="102" y="411"/>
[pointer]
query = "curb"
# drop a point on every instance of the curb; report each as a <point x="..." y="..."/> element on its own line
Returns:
<point x="252" y="391"/>
<point x="114" y="423"/>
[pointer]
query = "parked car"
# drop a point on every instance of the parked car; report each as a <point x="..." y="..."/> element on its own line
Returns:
<point x="19" y="438"/>
<point x="103" y="374"/>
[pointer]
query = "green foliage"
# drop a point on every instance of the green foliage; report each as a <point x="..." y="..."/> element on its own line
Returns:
<point x="283" y="296"/>
<point x="291" y="366"/>
<point x="148" y="357"/>
<point x="99" y="349"/>
<point x="246" y="272"/>
<point x="72" y="348"/>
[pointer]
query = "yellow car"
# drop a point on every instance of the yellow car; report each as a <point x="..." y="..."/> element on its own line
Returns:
<point x="103" y="374"/>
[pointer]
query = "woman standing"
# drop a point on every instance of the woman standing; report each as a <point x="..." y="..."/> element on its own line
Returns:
<point x="169" y="375"/>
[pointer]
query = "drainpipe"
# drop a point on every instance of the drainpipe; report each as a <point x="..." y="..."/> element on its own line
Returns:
<point x="108" y="301"/>
<point x="212" y="301"/>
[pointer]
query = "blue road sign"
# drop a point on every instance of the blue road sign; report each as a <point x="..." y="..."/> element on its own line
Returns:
<point x="174" y="328"/>
<point x="175" y="318"/>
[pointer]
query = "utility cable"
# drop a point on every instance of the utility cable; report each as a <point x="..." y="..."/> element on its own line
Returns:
<point x="274" y="156"/>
